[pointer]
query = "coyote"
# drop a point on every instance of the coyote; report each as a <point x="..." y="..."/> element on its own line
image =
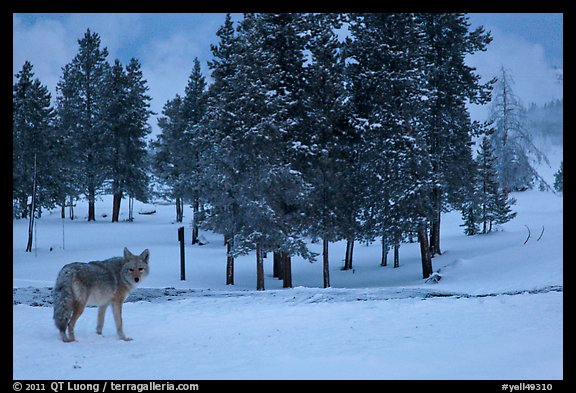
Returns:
<point x="98" y="283"/>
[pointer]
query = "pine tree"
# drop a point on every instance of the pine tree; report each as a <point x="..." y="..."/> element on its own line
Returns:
<point x="221" y="172"/>
<point x="489" y="205"/>
<point x="80" y="108"/>
<point x="255" y="143"/>
<point x="194" y="109"/>
<point x="34" y="138"/>
<point x="487" y="184"/>
<point x="272" y="65"/>
<point x="35" y="169"/>
<point x="258" y="101"/>
<point x="446" y="41"/>
<point x="137" y="178"/>
<point x="68" y="118"/>
<point x="470" y="217"/>
<point x="514" y="148"/>
<point x="357" y="50"/>
<point x="386" y="86"/>
<point x="177" y="150"/>
<point x="326" y="126"/>
<point x="126" y="121"/>
<point x="503" y="208"/>
<point x="305" y="137"/>
<point x="116" y="123"/>
<point x="559" y="178"/>
<point x="169" y="154"/>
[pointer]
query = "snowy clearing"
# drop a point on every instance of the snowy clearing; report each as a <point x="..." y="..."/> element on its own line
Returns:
<point x="290" y="334"/>
<point x="497" y="312"/>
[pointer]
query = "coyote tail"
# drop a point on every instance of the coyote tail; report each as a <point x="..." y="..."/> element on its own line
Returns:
<point x="63" y="303"/>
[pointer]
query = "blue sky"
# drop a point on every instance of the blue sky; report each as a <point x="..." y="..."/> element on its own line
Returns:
<point x="538" y="29"/>
<point x="528" y="44"/>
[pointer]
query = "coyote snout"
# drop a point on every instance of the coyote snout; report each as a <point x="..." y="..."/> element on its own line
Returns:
<point x="98" y="283"/>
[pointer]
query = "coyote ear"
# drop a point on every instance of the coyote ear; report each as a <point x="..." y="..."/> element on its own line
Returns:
<point x="127" y="253"/>
<point x="145" y="255"/>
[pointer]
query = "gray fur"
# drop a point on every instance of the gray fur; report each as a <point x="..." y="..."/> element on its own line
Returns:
<point x="98" y="283"/>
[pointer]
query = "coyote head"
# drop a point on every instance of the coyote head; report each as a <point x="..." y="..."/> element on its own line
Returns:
<point x="135" y="267"/>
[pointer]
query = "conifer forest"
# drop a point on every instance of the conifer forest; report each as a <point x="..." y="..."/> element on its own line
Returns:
<point x="298" y="133"/>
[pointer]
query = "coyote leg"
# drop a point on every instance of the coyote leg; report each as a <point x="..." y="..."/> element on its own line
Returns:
<point x="78" y="310"/>
<point x="101" y="314"/>
<point x="117" y="311"/>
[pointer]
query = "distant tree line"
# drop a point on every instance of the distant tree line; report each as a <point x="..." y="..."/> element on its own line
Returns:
<point x="92" y="142"/>
<point x="301" y="135"/>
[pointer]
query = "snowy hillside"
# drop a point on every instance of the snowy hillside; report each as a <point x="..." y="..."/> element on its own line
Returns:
<point x="496" y="313"/>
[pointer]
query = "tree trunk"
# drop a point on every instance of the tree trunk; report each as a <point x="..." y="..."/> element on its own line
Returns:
<point x="396" y="254"/>
<point x="32" y="210"/>
<point x="63" y="209"/>
<point x="195" y="206"/>
<point x="30" y="228"/>
<point x="91" y="204"/>
<point x="30" y="232"/>
<point x="179" y="210"/>
<point x="229" y="262"/>
<point x="130" y="209"/>
<point x="287" y="269"/>
<point x="117" y="199"/>
<point x="278" y="266"/>
<point x="425" y="252"/>
<point x="484" y="218"/>
<point x="435" y="227"/>
<point x="384" y="260"/>
<point x="259" y="269"/>
<point x="326" y="266"/>
<point x="349" y="254"/>
<point x="71" y="212"/>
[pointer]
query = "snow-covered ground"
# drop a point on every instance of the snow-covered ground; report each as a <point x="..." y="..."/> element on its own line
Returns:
<point x="497" y="312"/>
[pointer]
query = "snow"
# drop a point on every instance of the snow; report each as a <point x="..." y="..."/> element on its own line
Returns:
<point x="295" y="334"/>
<point x="496" y="313"/>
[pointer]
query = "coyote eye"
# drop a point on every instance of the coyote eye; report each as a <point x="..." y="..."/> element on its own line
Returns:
<point x="140" y="268"/>
<point x="131" y="270"/>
